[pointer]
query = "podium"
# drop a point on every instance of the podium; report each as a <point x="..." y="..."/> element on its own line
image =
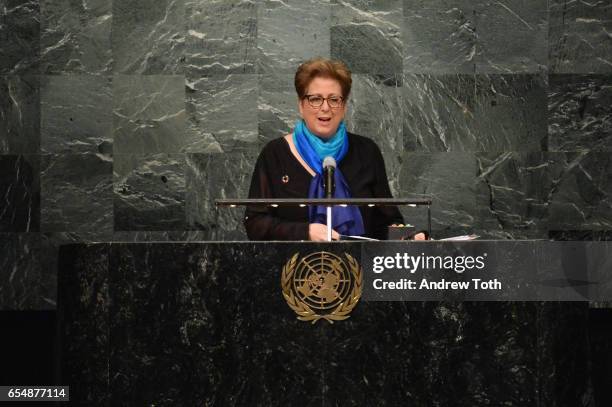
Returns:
<point x="205" y="323"/>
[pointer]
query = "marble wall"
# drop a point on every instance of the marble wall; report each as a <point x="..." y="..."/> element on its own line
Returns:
<point x="124" y="120"/>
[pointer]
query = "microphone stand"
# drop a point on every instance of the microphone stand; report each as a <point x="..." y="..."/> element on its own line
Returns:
<point x="329" y="192"/>
<point x="329" y="223"/>
<point x="329" y="167"/>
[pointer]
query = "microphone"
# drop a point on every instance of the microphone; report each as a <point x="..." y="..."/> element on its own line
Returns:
<point x="329" y="167"/>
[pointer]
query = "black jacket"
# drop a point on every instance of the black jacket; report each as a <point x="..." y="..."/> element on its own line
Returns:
<point x="278" y="174"/>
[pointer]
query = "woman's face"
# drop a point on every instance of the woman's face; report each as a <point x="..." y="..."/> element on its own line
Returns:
<point x="322" y="121"/>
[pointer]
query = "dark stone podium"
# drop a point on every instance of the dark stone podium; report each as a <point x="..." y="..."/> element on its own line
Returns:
<point x="203" y="324"/>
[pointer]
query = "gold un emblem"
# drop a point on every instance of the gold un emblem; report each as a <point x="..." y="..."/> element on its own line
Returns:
<point x="322" y="285"/>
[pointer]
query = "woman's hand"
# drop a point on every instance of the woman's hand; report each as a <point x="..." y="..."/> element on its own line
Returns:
<point x="318" y="233"/>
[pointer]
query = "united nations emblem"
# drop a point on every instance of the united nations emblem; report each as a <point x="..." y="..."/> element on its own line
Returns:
<point x="322" y="286"/>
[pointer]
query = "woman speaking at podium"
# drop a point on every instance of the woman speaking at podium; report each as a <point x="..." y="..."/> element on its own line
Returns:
<point x="292" y="166"/>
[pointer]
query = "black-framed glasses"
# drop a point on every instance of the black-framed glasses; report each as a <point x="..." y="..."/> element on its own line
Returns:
<point x="316" y="101"/>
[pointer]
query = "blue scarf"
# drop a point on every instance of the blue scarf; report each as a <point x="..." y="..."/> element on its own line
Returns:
<point x="345" y="220"/>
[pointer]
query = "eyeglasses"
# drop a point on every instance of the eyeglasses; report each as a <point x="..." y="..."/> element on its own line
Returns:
<point x="316" y="101"/>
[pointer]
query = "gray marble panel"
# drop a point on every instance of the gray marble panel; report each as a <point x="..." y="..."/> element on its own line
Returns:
<point x="76" y="114"/>
<point x="367" y="35"/>
<point x="375" y="111"/>
<point x="290" y="32"/>
<point x="439" y="113"/>
<point x="439" y="36"/>
<point x="75" y="36"/>
<point x="475" y="113"/>
<point x="23" y="280"/>
<point x="218" y="176"/>
<point x="580" y="36"/>
<point x="513" y="191"/>
<point x="199" y="209"/>
<point x="149" y="192"/>
<point x="76" y="193"/>
<point x="449" y="179"/>
<point x="222" y="113"/>
<point x="231" y="179"/>
<point x="19" y="115"/>
<point x="582" y="195"/>
<point x="579" y="113"/>
<point x="20" y="192"/>
<point x="19" y="36"/>
<point x="512" y="36"/>
<point x="148" y="36"/>
<point x="221" y="37"/>
<point x="545" y="191"/>
<point x="510" y="113"/>
<point x="149" y="114"/>
<point x="277" y="106"/>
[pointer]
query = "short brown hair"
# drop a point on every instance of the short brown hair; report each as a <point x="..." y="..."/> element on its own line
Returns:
<point x="324" y="68"/>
